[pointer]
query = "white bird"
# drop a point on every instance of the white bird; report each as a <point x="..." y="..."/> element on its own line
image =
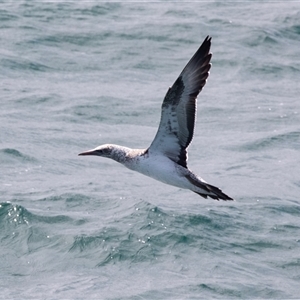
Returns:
<point x="166" y="158"/>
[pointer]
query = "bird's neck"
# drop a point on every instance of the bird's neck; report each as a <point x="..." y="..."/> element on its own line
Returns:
<point x="125" y="155"/>
<point x="119" y="153"/>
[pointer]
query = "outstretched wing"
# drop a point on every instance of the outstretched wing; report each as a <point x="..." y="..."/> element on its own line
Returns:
<point x="176" y="128"/>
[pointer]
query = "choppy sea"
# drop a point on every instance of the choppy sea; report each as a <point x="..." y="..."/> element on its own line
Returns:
<point x="77" y="74"/>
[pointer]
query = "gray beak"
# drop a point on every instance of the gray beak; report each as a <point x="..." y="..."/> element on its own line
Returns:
<point x="89" y="152"/>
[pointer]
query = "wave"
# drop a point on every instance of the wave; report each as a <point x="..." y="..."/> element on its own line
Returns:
<point x="12" y="155"/>
<point x="280" y="140"/>
<point x="146" y="234"/>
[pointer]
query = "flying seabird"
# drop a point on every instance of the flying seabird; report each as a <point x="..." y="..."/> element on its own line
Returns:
<point x="166" y="158"/>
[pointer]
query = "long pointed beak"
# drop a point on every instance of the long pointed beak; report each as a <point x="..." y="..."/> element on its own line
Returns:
<point x="89" y="152"/>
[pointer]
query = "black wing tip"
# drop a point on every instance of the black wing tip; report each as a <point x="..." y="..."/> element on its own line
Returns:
<point x="220" y="196"/>
<point x="224" y="197"/>
<point x="201" y="57"/>
<point x="215" y="193"/>
<point x="209" y="190"/>
<point x="206" y="42"/>
<point x="208" y="39"/>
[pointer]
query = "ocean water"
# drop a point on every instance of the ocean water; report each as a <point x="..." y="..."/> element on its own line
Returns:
<point x="75" y="75"/>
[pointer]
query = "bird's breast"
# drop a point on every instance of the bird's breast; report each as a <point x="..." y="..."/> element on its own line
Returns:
<point x="158" y="167"/>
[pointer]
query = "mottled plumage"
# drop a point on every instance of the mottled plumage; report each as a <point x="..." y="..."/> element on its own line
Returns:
<point x="166" y="158"/>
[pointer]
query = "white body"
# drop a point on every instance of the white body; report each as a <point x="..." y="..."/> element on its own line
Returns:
<point x="163" y="169"/>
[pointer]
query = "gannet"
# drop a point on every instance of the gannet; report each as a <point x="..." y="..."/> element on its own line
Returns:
<point x="166" y="158"/>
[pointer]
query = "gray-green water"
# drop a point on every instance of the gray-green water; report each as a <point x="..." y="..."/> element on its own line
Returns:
<point x="75" y="75"/>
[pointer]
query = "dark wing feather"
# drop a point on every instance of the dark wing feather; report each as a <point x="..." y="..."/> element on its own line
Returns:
<point x="176" y="128"/>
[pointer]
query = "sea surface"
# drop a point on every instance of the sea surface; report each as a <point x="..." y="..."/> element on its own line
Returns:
<point x="78" y="74"/>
